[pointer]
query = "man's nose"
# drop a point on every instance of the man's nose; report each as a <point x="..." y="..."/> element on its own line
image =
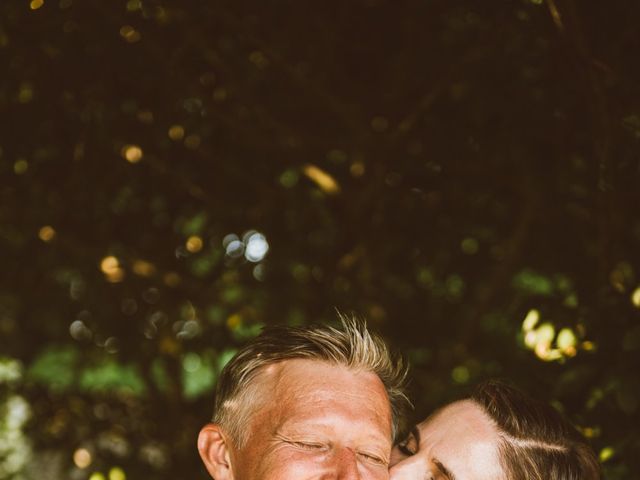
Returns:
<point x="344" y="465"/>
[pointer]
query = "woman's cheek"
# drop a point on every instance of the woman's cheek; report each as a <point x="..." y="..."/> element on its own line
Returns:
<point x="411" y="468"/>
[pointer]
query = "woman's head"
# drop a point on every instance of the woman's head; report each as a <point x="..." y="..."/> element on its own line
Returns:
<point x="497" y="433"/>
<point x="536" y="441"/>
<point x="458" y="442"/>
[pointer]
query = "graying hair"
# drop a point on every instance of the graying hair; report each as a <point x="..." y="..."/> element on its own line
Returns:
<point x="351" y="346"/>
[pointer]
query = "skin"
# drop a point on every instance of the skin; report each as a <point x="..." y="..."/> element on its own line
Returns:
<point x="459" y="442"/>
<point x="317" y="421"/>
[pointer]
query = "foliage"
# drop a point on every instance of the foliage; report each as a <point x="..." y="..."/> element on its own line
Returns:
<point x="15" y="448"/>
<point x="178" y="174"/>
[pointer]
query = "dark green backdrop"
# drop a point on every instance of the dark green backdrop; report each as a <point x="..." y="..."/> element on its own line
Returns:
<point x="176" y="174"/>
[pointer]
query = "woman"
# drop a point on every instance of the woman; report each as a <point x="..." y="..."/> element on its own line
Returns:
<point x="497" y="433"/>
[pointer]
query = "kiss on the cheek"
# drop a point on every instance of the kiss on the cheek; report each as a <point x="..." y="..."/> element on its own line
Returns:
<point x="323" y="403"/>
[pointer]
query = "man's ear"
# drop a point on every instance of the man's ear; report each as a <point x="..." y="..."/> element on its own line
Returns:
<point x="214" y="450"/>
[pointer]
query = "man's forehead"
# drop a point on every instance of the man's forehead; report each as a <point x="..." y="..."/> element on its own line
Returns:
<point x="316" y="377"/>
<point x="301" y="384"/>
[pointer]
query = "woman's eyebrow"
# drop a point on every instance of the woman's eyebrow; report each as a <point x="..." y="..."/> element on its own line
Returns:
<point x="446" y="473"/>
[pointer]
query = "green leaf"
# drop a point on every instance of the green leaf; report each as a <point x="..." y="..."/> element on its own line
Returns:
<point x="528" y="281"/>
<point x="55" y="368"/>
<point x="110" y="375"/>
<point x="198" y="374"/>
<point x="194" y="225"/>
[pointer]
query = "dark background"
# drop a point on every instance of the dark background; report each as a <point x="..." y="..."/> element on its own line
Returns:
<point x="443" y="169"/>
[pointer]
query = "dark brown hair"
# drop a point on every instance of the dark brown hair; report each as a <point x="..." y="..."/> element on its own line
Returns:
<point x="537" y="442"/>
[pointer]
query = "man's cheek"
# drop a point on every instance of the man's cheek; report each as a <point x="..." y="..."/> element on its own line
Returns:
<point x="290" y="464"/>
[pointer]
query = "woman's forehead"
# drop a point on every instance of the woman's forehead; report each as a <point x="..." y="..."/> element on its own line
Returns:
<point x="463" y="438"/>
<point x="463" y="413"/>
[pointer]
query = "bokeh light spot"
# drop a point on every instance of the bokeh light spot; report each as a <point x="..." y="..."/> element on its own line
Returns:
<point x="621" y="276"/>
<point x="379" y="124"/>
<point x="145" y="116"/>
<point x="337" y="156"/>
<point x="530" y="338"/>
<point x="635" y="297"/>
<point x="46" y="233"/>
<point x="131" y="153"/>
<point x="256" y="247"/>
<point x="259" y="272"/>
<point x="233" y="247"/>
<point x="134" y="5"/>
<point x="192" y="142"/>
<point x="143" y="268"/>
<point x="460" y="374"/>
<point x="79" y="331"/>
<point x="546" y="332"/>
<point x="25" y="94"/>
<point x="116" y="473"/>
<point x="20" y="167"/>
<point x="191" y="362"/>
<point x="606" y="454"/>
<point x="130" y="34"/>
<point x="194" y="244"/>
<point x="259" y="59"/>
<point x="322" y="179"/>
<point x="234" y="321"/>
<point x="36" y="4"/>
<point x="82" y="458"/>
<point x="110" y="266"/>
<point x="357" y="168"/>
<point x="589" y="432"/>
<point x="220" y="94"/>
<point x="171" y="279"/>
<point x="544" y="352"/>
<point x="469" y="246"/>
<point x="567" y="341"/>
<point x="176" y="132"/>
<point x="289" y="178"/>
<point x="531" y="320"/>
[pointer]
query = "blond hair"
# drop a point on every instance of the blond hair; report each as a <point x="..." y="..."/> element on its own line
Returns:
<point x="351" y="346"/>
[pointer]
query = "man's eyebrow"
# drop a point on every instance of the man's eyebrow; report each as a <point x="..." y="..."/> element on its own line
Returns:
<point x="444" y="470"/>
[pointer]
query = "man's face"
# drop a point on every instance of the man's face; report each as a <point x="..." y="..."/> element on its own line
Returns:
<point x="317" y="421"/>
<point x="457" y="443"/>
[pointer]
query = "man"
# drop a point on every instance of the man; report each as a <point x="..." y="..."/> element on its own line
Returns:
<point x="306" y="403"/>
<point x="499" y="433"/>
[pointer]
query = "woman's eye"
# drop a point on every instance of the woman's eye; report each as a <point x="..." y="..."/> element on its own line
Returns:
<point x="409" y="446"/>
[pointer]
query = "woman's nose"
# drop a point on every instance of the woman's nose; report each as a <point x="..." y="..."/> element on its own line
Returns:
<point x="397" y="456"/>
